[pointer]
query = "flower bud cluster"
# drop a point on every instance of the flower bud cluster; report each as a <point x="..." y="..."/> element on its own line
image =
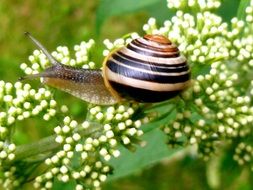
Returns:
<point x="244" y="154"/>
<point x="213" y="111"/>
<point x="23" y="102"/>
<point x="241" y="46"/>
<point x="217" y="105"/>
<point x="249" y="14"/>
<point x="9" y="179"/>
<point x="118" y="126"/>
<point x="118" y="43"/>
<point x="89" y="170"/>
<point x="82" y="55"/>
<point x="198" y="36"/>
<point x="20" y="102"/>
<point x="92" y="143"/>
<point x="62" y="54"/>
<point x="194" y="5"/>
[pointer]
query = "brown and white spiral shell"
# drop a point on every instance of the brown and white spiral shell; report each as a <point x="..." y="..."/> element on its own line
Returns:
<point x="148" y="69"/>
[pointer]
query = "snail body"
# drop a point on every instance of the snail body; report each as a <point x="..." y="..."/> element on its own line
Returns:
<point x="148" y="69"/>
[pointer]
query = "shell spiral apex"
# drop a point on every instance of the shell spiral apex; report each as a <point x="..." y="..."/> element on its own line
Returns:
<point x="148" y="69"/>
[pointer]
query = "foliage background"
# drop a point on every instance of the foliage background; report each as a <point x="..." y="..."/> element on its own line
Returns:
<point x="67" y="23"/>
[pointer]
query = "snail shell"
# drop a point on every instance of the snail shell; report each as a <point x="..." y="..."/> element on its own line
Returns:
<point x="148" y="69"/>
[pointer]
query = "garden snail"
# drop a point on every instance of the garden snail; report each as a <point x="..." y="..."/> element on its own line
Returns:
<point x="148" y="69"/>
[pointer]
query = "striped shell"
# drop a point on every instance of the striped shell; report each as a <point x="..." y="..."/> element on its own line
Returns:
<point x="148" y="69"/>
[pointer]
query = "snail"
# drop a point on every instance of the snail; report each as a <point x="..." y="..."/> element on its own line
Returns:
<point x="148" y="69"/>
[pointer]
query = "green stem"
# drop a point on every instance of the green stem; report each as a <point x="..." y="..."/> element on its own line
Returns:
<point x="48" y="144"/>
<point x="44" y="145"/>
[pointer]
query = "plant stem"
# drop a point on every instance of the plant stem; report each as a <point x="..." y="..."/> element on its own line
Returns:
<point x="48" y="144"/>
<point x="44" y="145"/>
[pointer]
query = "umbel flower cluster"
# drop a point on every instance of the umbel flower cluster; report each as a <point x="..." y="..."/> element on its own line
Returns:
<point x="214" y="113"/>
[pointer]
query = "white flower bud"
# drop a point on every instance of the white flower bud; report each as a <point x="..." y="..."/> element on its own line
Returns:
<point x="118" y="116"/>
<point x="109" y="134"/>
<point x="3" y="154"/>
<point x="76" y="175"/>
<point x="176" y="125"/>
<point x="65" y="178"/>
<point x="48" y="185"/>
<point x="84" y="155"/>
<point x="113" y="142"/>
<point x="49" y="175"/>
<point x="130" y="111"/>
<point x="178" y="134"/>
<point x="131" y="131"/>
<point x="198" y="133"/>
<point x="201" y="122"/>
<point x="99" y="116"/>
<point x="109" y="116"/>
<point x="103" y="152"/>
<point x="12" y="147"/>
<point x="67" y="147"/>
<point x="128" y="122"/>
<point x="107" y="127"/>
<point x="59" y="139"/>
<point x="107" y="157"/>
<point x="193" y="140"/>
<point x="87" y="146"/>
<point x="79" y="187"/>
<point x="63" y="169"/>
<point x="121" y="126"/>
<point x="11" y="156"/>
<point x="65" y="129"/>
<point x="187" y="129"/>
<point x="137" y="123"/>
<point x="85" y="124"/>
<point x="8" y="98"/>
<point x="73" y="124"/>
<point x="94" y="175"/>
<point x="64" y="108"/>
<point x="102" y="177"/>
<point x="76" y="137"/>
<point x="103" y="138"/>
<point x="125" y="140"/>
<point x="87" y="169"/>
<point x="79" y="147"/>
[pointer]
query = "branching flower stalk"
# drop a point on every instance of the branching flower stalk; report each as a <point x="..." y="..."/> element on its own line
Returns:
<point x="216" y="111"/>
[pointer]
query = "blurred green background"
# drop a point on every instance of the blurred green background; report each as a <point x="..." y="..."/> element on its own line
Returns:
<point x="68" y="23"/>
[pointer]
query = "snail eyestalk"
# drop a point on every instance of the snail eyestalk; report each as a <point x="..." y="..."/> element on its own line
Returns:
<point x="52" y="60"/>
<point x="29" y="77"/>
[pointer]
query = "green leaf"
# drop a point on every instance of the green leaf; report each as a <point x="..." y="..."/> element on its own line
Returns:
<point x="229" y="170"/>
<point x="63" y="186"/>
<point x="162" y="120"/>
<point x="160" y="11"/>
<point x="154" y="151"/>
<point x="241" y="9"/>
<point x="228" y="9"/>
<point x="108" y="8"/>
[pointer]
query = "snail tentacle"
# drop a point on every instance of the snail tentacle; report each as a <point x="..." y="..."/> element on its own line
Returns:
<point x="52" y="60"/>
